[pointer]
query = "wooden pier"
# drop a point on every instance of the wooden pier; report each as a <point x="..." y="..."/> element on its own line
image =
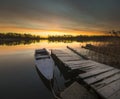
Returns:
<point x="101" y="78"/>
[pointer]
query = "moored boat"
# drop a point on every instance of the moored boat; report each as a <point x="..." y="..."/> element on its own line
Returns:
<point x="45" y="68"/>
<point x="44" y="63"/>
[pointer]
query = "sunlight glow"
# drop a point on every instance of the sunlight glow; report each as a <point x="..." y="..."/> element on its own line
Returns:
<point x="45" y="33"/>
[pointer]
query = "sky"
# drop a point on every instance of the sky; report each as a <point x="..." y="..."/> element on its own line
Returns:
<point x="46" y="17"/>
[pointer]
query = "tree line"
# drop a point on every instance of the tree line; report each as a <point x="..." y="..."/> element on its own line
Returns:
<point x="53" y="38"/>
<point x="18" y="36"/>
<point x="80" y="38"/>
<point x="115" y="33"/>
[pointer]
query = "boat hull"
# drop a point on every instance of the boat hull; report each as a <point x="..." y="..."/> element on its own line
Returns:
<point x="45" y="64"/>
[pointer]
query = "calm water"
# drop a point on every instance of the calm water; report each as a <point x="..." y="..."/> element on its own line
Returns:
<point x="18" y="76"/>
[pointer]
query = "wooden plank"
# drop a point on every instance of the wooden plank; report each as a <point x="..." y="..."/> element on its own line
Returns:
<point x="110" y="89"/>
<point x="86" y="64"/>
<point x="106" y="81"/>
<point x="90" y="64"/>
<point x="80" y="51"/>
<point x="86" y="69"/>
<point x="77" y="91"/>
<point x="68" y="58"/>
<point x="79" y="65"/>
<point x="93" y="73"/>
<point x="57" y="52"/>
<point x="67" y="55"/>
<point x="64" y="59"/>
<point x="69" y="51"/>
<point x="96" y="67"/>
<point x="78" y="62"/>
<point x="115" y="96"/>
<point x="101" y="76"/>
<point x="82" y="67"/>
<point x="60" y="54"/>
<point x="66" y="51"/>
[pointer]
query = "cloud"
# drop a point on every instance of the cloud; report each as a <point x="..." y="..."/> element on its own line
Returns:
<point x="87" y="15"/>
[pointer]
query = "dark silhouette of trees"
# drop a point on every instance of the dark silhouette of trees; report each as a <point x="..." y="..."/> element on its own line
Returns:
<point x="18" y="36"/>
<point x="115" y="33"/>
<point x="28" y="38"/>
<point x="79" y="38"/>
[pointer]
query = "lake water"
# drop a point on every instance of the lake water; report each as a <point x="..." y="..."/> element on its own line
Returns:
<point x="18" y="76"/>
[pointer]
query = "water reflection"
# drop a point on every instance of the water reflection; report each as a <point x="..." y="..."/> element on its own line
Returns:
<point x="27" y="42"/>
<point x="45" y="81"/>
<point x="18" y="59"/>
<point x="17" y="42"/>
<point x="43" y="43"/>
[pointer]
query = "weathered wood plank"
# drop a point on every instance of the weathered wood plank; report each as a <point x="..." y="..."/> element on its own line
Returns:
<point x="87" y="69"/>
<point x="109" y="89"/>
<point x="106" y="81"/>
<point x="69" y="58"/>
<point x="78" y="62"/>
<point x="115" y="96"/>
<point x="83" y="67"/>
<point x="77" y="91"/>
<point x="96" y="72"/>
<point x="62" y="53"/>
<point x="57" y="52"/>
<point x="91" y="64"/>
<point x="101" y="76"/>
<point x="96" y="67"/>
<point x="67" y="55"/>
<point x="85" y="62"/>
<point x="66" y="52"/>
<point x="92" y="67"/>
<point x="79" y="51"/>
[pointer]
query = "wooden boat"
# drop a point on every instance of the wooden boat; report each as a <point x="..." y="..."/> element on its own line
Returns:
<point x="45" y="68"/>
<point x="44" y="63"/>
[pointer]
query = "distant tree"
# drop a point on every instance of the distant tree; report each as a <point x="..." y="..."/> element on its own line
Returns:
<point x="24" y="36"/>
<point x="115" y="33"/>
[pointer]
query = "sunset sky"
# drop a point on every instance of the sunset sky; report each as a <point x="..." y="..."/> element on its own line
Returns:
<point x="59" y="16"/>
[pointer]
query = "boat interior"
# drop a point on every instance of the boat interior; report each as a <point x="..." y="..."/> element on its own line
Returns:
<point x="41" y="54"/>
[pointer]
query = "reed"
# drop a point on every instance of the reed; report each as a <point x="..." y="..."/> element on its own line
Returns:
<point x="108" y="53"/>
